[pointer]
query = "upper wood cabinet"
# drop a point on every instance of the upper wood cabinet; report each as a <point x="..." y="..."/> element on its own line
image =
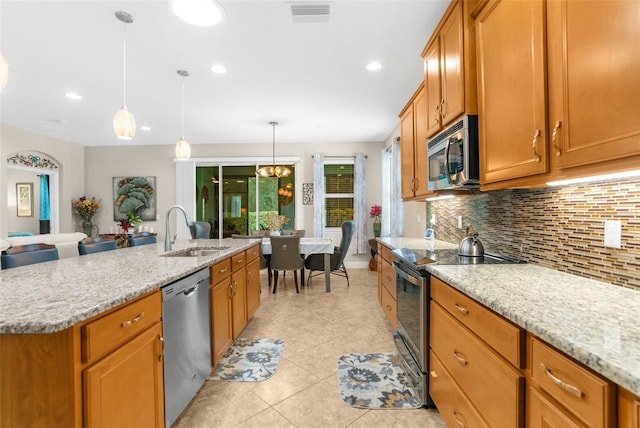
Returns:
<point x="511" y="90"/>
<point x="585" y="121"/>
<point x="449" y="67"/>
<point x="594" y="81"/>
<point x="413" y="147"/>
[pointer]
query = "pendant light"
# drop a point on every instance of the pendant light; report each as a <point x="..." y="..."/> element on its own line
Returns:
<point x="183" y="149"/>
<point x="124" y="123"/>
<point x="273" y="170"/>
<point x="4" y="71"/>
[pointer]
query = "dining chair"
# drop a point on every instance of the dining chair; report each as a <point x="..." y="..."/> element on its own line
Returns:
<point x="96" y="245"/>
<point x="142" y="238"/>
<point x="200" y="229"/>
<point x="285" y="256"/>
<point x="264" y="260"/>
<point x="315" y="262"/>
<point x="29" y="254"/>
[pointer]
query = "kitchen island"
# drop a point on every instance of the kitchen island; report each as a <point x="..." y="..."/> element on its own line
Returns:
<point x="592" y="322"/>
<point x="74" y="331"/>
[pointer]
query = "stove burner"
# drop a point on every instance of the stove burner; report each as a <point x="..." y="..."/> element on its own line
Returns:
<point x="418" y="259"/>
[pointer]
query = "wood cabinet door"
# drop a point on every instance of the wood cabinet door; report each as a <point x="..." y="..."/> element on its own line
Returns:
<point x="253" y="287"/>
<point x="406" y="152"/>
<point x="421" y="175"/>
<point x="125" y="389"/>
<point x="451" y="67"/>
<point x="594" y="80"/>
<point x="542" y="413"/>
<point x="221" y="329"/>
<point x="628" y="409"/>
<point x="432" y="87"/>
<point x="511" y="90"/>
<point x="239" y="301"/>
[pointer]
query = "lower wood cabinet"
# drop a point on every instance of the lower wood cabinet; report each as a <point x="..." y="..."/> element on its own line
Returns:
<point x="253" y="287"/>
<point x="628" y="409"/>
<point x="387" y="283"/>
<point x="221" y="329"/>
<point x="125" y="389"/>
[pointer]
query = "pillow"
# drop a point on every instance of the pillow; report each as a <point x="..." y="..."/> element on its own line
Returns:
<point x="4" y="244"/>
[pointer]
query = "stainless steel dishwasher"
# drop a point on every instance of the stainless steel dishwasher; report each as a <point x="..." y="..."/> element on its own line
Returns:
<point x="187" y="341"/>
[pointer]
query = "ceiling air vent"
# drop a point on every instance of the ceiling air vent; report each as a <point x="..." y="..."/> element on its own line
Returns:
<point x="311" y="12"/>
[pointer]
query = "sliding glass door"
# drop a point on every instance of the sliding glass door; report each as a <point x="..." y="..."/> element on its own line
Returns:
<point x="234" y="201"/>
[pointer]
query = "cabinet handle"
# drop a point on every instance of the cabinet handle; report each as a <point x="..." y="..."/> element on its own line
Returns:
<point x="133" y="321"/>
<point x="436" y="113"/>
<point x="161" y="353"/>
<point x="458" y="421"/>
<point x="389" y="307"/>
<point x="231" y="294"/>
<point x="239" y="261"/>
<point x="443" y="112"/>
<point x="459" y="357"/>
<point x="535" y="140"/>
<point x="554" y="138"/>
<point x="461" y="309"/>
<point x="433" y="374"/>
<point x="223" y="270"/>
<point x="234" y="287"/>
<point x="569" y="388"/>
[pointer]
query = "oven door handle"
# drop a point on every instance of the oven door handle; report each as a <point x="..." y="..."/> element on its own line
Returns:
<point x="407" y="276"/>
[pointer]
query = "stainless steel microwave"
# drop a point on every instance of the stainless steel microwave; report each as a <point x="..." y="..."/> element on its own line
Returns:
<point x="453" y="156"/>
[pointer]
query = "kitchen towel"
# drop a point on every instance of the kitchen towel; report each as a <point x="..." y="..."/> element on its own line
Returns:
<point x="375" y="381"/>
<point x="250" y="360"/>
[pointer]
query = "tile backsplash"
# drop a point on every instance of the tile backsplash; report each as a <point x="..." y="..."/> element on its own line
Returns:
<point x="559" y="228"/>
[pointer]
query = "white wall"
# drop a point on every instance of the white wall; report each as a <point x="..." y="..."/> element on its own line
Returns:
<point x="70" y="158"/>
<point x="22" y="224"/>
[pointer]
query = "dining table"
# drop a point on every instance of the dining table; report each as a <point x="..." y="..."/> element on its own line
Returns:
<point x="311" y="246"/>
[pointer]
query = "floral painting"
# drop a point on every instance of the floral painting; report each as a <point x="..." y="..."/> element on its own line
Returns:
<point x="134" y="196"/>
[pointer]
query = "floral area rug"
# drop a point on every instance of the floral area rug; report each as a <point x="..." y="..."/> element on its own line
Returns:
<point x="375" y="381"/>
<point x="250" y="360"/>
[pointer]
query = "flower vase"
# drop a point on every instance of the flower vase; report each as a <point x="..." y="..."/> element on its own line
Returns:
<point x="275" y="233"/>
<point x="377" y="226"/>
<point x="87" y="227"/>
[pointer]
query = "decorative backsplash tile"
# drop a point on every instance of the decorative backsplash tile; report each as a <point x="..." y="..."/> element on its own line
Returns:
<point x="560" y="228"/>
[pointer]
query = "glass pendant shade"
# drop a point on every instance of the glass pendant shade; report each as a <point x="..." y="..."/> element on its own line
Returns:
<point x="183" y="149"/>
<point x="124" y="124"/>
<point x="4" y="71"/>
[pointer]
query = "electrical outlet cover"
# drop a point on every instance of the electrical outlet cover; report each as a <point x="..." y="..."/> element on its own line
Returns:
<point x="612" y="233"/>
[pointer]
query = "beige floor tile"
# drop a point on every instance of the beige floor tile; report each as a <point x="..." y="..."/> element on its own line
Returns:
<point x="317" y="328"/>
<point x="318" y="406"/>
<point x="288" y="380"/>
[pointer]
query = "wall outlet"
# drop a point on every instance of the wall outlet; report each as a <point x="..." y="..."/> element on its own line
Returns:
<point x="433" y="219"/>
<point x="418" y="218"/>
<point x="612" y="233"/>
<point x="459" y="222"/>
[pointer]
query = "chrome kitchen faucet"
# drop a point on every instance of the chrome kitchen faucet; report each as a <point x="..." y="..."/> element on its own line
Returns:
<point x="167" y="240"/>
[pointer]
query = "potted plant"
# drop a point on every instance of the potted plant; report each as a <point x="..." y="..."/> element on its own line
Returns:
<point x="87" y="209"/>
<point x="375" y="213"/>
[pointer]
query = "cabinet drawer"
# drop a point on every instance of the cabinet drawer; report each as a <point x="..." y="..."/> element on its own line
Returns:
<point x="504" y="337"/>
<point x="220" y="271"/>
<point x="587" y="395"/>
<point x="253" y="253"/>
<point x="387" y="254"/>
<point x="541" y="412"/>
<point x="389" y="278"/>
<point x="494" y="387"/>
<point x="110" y="331"/>
<point x="388" y="303"/>
<point x="238" y="261"/>
<point x="454" y="407"/>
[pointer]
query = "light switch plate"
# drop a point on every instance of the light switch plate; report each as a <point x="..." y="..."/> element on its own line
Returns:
<point x="612" y="233"/>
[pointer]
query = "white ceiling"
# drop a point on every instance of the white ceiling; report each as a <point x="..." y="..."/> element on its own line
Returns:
<point x="309" y="77"/>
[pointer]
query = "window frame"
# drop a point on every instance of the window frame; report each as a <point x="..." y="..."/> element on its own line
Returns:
<point x="327" y="195"/>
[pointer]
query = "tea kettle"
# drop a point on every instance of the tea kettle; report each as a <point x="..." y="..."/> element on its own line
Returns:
<point x="471" y="245"/>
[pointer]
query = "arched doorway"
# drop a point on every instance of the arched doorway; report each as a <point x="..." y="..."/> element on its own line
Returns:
<point x="28" y="167"/>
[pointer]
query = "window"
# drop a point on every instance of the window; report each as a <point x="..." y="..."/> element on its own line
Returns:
<point x="339" y="193"/>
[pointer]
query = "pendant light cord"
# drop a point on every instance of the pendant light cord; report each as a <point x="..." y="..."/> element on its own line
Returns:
<point x="124" y="64"/>
<point x="273" y="150"/>
<point x="182" y="125"/>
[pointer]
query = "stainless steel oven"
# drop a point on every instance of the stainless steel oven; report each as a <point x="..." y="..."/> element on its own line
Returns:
<point x="412" y="337"/>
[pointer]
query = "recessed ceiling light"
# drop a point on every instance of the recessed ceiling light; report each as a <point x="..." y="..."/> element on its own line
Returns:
<point x="203" y="13"/>
<point x="374" y="66"/>
<point x="145" y="128"/>
<point x="73" y="96"/>
<point x="218" y="69"/>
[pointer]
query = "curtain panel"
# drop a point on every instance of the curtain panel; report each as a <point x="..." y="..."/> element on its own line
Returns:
<point x="318" y="198"/>
<point x="360" y="214"/>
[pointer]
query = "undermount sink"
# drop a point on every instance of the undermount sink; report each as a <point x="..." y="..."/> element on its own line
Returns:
<point x="197" y="252"/>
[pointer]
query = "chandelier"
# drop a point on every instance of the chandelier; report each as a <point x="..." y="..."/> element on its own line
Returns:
<point x="273" y="170"/>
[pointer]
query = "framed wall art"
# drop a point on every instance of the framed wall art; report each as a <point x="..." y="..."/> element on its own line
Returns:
<point x="135" y="195"/>
<point x="307" y="193"/>
<point x="24" y="199"/>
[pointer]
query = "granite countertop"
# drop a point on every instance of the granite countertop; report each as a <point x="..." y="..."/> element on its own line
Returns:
<point x="52" y="296"/>
<point x="594" y="322"/>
